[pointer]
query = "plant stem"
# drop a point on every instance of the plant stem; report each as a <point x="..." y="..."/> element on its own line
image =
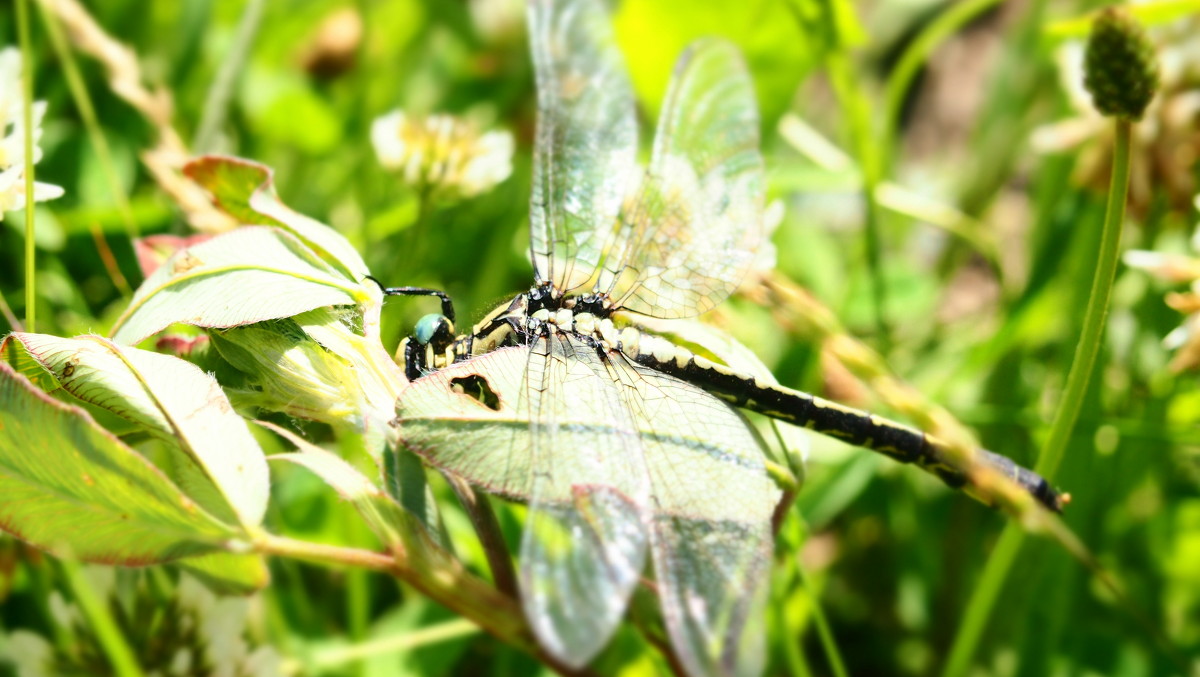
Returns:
<point x="1005" y="553"/>
<point x="219" y="94"/>
<point x="87" y="111"/>
<point x="910" y="62"/>
<point x="824" y="633"/>
<point x="111" y="639"/>
<point x="856" y="109"/>
<point x="13" y="323"/>
<point x="358" y="584"/>
<point x="1097" y="309"/>
<point x="320" y="553"/>
<point x="487" y="528"/>
<point x="443" y="581"/>
<point x="850" y="97"/>
<point x="983" y="599"/>
<point x="27" y="116"/>
<point x="443" y="632"/>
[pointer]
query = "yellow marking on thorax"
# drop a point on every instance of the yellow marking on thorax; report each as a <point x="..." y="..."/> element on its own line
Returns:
<point x="608" y="331"/>
<point x="490" y="318"/>
<point x="564" y="318"/>
<point x="630" y="340"/>
<point x="585" y="323"/>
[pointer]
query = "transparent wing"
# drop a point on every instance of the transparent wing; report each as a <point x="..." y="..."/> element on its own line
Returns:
<point x="584" y="544"/>
<point x="687" y="238"/>
<point x="585" y="149"/>
<point x="607" y="451"/>
<point x="711" y="532"/>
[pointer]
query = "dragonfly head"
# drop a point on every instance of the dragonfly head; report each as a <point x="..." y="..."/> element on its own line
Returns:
<point x="434" y="330"/>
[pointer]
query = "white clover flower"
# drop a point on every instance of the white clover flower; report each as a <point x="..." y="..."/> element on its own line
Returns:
<point x="498" y="22"/>
<point x="12" y="138"/>
<point x="442" y="153"/>
<point x="1184" y="339"/>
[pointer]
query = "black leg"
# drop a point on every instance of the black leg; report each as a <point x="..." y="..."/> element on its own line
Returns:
<point x="447" y="304"/>
<point x="414" y="360"/>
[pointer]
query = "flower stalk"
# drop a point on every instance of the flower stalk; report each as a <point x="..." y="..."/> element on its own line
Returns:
<point x="27" y="114"/>
<point x="1122" y="76"/>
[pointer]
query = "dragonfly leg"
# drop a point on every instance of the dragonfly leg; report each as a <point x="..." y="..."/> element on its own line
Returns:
<point x="414" y="359"/>
<point x="447" y="304"/>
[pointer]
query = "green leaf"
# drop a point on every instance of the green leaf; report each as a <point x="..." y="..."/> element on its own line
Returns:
<point x="70" y="487"/>
<point x="227" y="573"/>
<point x="173" y="400"/>
<point x="405" y="481"/>
<point x="316" y="365"/>
<point x="246" y="191"/>
<point x="385" y="517"/>
<point x="244" y="276"/>
<point x="14" y="353"/>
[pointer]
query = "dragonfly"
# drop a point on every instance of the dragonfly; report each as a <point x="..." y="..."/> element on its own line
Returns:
<point x="623" y="444"/>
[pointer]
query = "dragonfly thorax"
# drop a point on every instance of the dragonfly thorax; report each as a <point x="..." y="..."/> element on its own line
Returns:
<point x="548" y="297"/>
<point x="574" y="321"/>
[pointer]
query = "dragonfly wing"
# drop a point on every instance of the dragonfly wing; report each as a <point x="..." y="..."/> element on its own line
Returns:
<point x="610" y="456"/>
<point x="687" y="239"/>
<point x="711" y="532"/>
<point x="713" y="582"/>
<point x="586" y="144"/>
<point x="584" y="544"/>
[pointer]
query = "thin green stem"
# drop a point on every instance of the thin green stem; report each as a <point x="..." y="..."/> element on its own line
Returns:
<point x="13" y="323"/>
<point x="850" y="98"/>
<point x="983" y="600"/>
<point x="27" y="115"/>
<point x="83" y="103"/>
<point x="320" y="553"/>
<point x="836" y="665"/>
<point x="358" y="586"/>
<point x="1151" y="13"/>
<point x="1097" y="309"/>
<point x="111" y="639"/>
<point x="443" y="581"/>
<point x="933" y="35"/>
<point x="217" y="102"/>
<point x="856" y="108"/>
<point x="442" y="632"/>
<point x="358" y="582"/>
<point x="487" y="528"/>
<point x="792" y="642"/>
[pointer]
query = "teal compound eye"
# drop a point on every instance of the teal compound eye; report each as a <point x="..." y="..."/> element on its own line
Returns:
<point x="434" y="330"/>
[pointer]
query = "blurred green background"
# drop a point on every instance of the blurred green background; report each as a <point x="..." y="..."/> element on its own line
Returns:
<point x="987" y="217"/>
